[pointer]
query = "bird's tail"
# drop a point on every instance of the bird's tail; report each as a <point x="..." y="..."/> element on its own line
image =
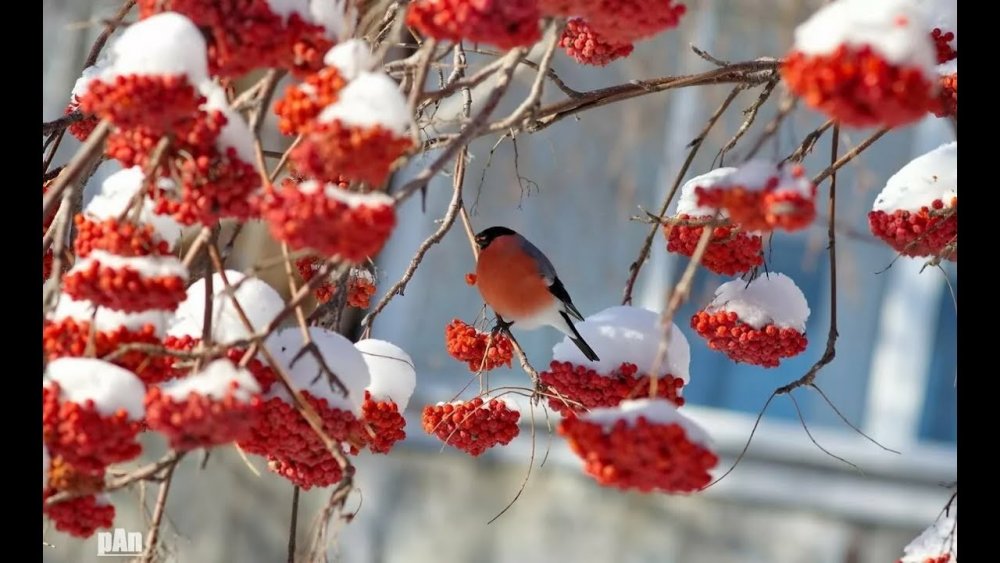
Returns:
<point x="579" y="341"/>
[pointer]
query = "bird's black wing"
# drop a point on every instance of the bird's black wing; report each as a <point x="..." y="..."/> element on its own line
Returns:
<point x="561" y="294"/>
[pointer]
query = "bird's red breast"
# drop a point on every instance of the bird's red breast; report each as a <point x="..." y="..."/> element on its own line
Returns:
<point x="509" y="280"/>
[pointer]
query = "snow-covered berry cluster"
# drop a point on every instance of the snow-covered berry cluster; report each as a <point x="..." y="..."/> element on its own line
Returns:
<point x="253" y="34"/>
<point x="761" y="196"/>
<point x="917" y="211"/>
<point x="759" y="322"/>
<point x="216" y="405"/>
<point x="91" y="413"/>
<point x="731" y="250"/>
<point x="865" y="64"/>
<point x="328" y="219"/>
<point x="579" y="388"/>
<point x="482" y="351"/>
<point x="644" y="444"/>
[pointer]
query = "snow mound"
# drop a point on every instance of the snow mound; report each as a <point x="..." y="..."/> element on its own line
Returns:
<point x="627" y="334"/>
<point x="688" y="202"/>
<point x="370" y="99"/>
<point x="925" y="179"/>
<point x="259" y="301"/>
<point x="759" y="174"/>
<point x="350" y="58"/>
<point x="340" y="356"/>
<point x="106" y="319"/>
<point x="393" y="376"/>
<point x="657" y="411"/>
<point x="146" y="266"/>
<point x="938" y="539"/>
<point x="235" y="134"/>
<point x="165" y="44"/>
<point x="948" y="68"/>
<point x="351" y="199"/>
<point x="82" y="84"/>
<point x="770" y="299"/>
<point x="214" y="382"/>
<point x="110" y="387"/>
<point x="116" y="194"/>
<point x="898" y="30"/>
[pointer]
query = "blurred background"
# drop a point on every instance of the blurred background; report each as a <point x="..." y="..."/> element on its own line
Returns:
<point x="572" y="189"/>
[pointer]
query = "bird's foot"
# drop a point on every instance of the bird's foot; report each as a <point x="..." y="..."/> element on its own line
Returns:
<point x="502" y="326"/>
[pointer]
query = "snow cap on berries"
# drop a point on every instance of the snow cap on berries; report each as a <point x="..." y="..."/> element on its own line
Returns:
<point x="109" y="387"/>
<point x="655" y="411"/>
<point x="351" y="58"/>
<point x="898" y="30"/>
<point x="164" y="44"/>
<point x="340" y="356"/>
<point x="116" y="195"/>
<point x="759" y="174"/>
<point x="393" y="376"/>
<point x="235" y="134"/>
<point x="939" y="539"/>
<point x="688" y="202"/>
<point x="627" y="335"/>
<point x="215" y="381"/>
<point x="770" y="299"/>
<point x="107" y="320"/>
<point x="370" y="99"/>
<point x="927" y="178"/>
<point x="259" y="301"/>
<point x="146" y="266"/>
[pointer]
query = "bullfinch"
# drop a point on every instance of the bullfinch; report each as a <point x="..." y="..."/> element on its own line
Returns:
<point x="522" y="286"/>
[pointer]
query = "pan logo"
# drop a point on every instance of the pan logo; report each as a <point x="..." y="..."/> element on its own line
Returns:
<point x="119" y="543"/>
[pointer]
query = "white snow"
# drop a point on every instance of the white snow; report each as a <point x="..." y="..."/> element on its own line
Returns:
<point x="259" y="301"/>
<point x="656" y="411"/>
<point x="350" y="58"/>
<point x="82" y="84"/>
<point x="146" y="266"/>
<point x="926" y="178"/>
<point x="108" y="320"/>
<point x="938" y="539"/>
<point x="235" y="133"/>
<point x="393" y="376"/>
<point x="110" y="387"/>
<point x="214" y="382"/>
<point x="336" y="16"/>
<point x="340" y="356"/>
<point x="627" y="334"/>
<point x="362" y="274"/>
<point x="770" y="299"/>
<point x="164" y="44"/>
<point x="898" y="30"/>
<point x="333" y="15"/>
<point x="285" y="8"/>
<point x="688" y="202"/>
<point x="368" y="100"/>
<point x="117" y="192"/>
<point x="948" y="68"/>
<point x="351" y="199"/>
<point x="756" y="174"/>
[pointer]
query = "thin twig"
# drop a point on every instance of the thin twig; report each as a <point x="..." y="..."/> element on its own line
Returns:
<point x="161" y="505"/>
<point x="459" y="142"/>
<point x="294" y="524"/>
<point x="831" y="338"/>
<point x="695" y="145"/>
